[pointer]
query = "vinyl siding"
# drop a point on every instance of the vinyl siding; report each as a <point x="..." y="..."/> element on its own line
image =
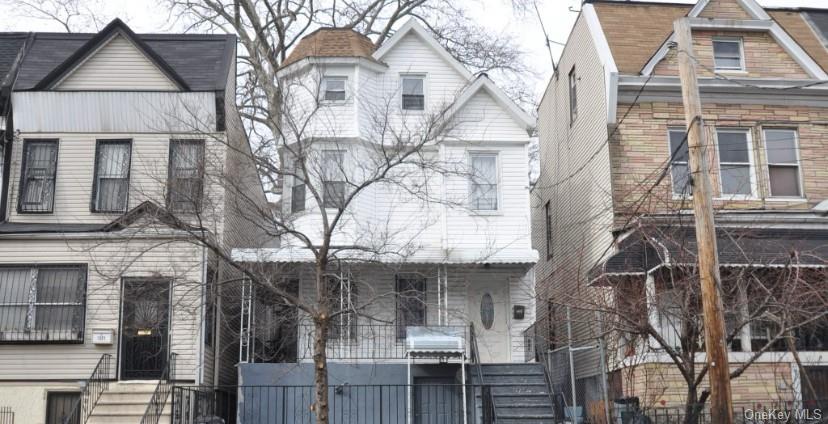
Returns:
<point x="108" y="260"/>
<point x="580" y="199"/>
<point x="117" y="65"/>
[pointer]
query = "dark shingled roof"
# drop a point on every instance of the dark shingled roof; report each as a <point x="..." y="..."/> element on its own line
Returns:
<point x="202" y="61"/>
<point x="332" y="42"/>
<point x="653" y="245"/>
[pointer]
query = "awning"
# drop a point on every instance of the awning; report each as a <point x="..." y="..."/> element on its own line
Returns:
<point x="649" y="247"/>
<point x="422" y="256"/>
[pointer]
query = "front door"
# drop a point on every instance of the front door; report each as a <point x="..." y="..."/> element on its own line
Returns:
<point x="488" y="309"/>
<point x="144" y="329"/>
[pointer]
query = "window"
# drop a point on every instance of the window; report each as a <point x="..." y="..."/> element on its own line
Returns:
<point x="783" y="162"/>
<point x="59" y="406"/>
<point x="297" y="191"/>
<point x="110" y="189"/>
<point x="411" y="302"/>
<point x="484" y="193"/>
<point x="37" y="182"/>
<point x="42" y="304"/>
<point x="727" y="54"/>
<point x="679" y="165"/>
<point x="413" y="93"/>
<point x="333" y="179"/>
<point x="343" y="297"/>
<point x="210" y="307"/>
<point x="573" y="96"/>
<point x="547" y="213"/>
<point x="735" y="165"/>
<point x="333" y="89"/>
<point x="186" y="172"/>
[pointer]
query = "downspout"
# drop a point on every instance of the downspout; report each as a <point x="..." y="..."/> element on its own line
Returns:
<point x="203" y="314"/>
<point x="442" y="270"/>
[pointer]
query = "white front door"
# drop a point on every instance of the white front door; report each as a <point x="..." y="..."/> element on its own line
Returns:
<point x="488" y="309"/>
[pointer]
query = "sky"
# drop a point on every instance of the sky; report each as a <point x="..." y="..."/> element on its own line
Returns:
<point x="558" y="17"/>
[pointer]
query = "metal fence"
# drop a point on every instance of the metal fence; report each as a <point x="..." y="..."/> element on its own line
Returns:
<point x="348" y="404"/>
<point x="772" y="412"/>
<point x="6" y="415"/>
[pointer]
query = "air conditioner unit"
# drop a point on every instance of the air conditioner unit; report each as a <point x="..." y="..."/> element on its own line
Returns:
<point x="435" y="339"/>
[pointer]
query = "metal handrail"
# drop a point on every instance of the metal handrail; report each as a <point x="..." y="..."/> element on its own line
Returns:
<point x="93" y="388"/>
<point x="162" y="391"/>
<point x="490" y="412"/>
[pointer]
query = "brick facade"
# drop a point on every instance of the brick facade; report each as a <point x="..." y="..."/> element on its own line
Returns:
<point x="724" y="9"/>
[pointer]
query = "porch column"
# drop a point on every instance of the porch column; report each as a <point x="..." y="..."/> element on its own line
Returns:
<point x="442" y="294"/>
<point x="652" y="307"/>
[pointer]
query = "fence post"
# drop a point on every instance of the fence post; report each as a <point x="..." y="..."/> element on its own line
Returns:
<point x="571" y="364"/>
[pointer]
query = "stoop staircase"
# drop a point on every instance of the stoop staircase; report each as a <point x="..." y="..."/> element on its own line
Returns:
<point x="125" y="403"/>
<point x="520" y="392"/>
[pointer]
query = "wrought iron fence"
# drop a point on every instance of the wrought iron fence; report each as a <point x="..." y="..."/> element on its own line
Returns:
<point x="348" y="404"/>
<point x="364" y="341"/>
<point x="770" y="412"/>
<point x="91" y="391"/>
<point x="155" y="408"/>
<point x="6" y="415"/>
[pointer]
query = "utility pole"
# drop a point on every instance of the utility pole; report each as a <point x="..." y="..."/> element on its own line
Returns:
<point x="714" y="327"/>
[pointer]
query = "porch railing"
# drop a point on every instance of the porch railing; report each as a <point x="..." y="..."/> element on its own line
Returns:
<point x="348" y="404"/>
<point x="379" y="341"/>
<point x="93" y="388"/>
<point x="6" y="415"/>
<point x="158" y="401"/>
<point x="488" y="409"/>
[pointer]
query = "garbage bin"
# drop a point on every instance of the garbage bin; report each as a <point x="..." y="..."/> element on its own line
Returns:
<point x="625" y="409"/>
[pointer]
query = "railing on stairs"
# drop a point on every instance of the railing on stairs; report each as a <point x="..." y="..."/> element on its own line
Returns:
<point x="537" y="347"/>
<point x="158" y="401"/>
<point x="93" y="388"/>
<point x="489" y="409"/>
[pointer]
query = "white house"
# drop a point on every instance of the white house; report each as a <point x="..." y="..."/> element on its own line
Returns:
<point x="105" y="137"/>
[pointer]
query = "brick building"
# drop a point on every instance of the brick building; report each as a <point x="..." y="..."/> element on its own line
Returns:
<point x="612" y="211"/>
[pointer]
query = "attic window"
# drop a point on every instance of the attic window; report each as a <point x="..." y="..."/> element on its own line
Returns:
<point x="333" y="89"/>
<point x="728" y="54"/>
<point x="413" y="92"/>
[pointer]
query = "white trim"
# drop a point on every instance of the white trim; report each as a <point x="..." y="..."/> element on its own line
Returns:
<point x="413" y="25"/>
<point x="414" y="75"/>
<point x="498" y="210"/>
<point x="779" y="35"/>
<point x="599" y="39"/>
<point x="307" y="62"/>
<point x="740" y="42"/>
<point x="750" y="6"/>
<point x="797" y="165"/>
<point x="324" y="89"/>
<point x="751" y="164"/>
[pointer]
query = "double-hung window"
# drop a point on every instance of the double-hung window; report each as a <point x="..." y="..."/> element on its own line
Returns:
<point x="333" y="89"/>
<point x="783" y="162"/>
<point x="728" y="54"/>
<point x="37" y="183"/>
<point x="735" y="162"/>
<point x="333" y="179"/>
<point x="679" y="165"/>
<point x="42" y="303"/>
<point x="413" y="92"/>
<point x="297" y="190"/>
<point x="185" y="186"/>
<point x="484" y="182"/>
<point x="411" y="302"/>
<point x="110" y="189"/>
<point x="573" y="96"/>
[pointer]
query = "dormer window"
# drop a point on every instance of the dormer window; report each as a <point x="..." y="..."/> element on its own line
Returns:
<point x="333" y="89"/>
<point x="413" y="92"/>
<point x="728" y="54"/>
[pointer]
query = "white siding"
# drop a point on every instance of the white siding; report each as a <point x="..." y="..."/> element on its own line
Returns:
<point x="108" y="260"/>
<point x="117" y="65"/>
<point x="482" y="118"/>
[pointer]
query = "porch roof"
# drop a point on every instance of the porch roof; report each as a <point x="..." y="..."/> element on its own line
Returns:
<point x="423" y="256"/>
<point x="649" y="247"/>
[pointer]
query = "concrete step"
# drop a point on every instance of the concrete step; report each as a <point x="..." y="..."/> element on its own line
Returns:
<point x="512" y="379"/>
<point x="523" y="412"/>
<point x="524" y="400"/>
<point x="126" y="403"/>
<point x="124" y="419"/>
<point x="519" y="391"/>
<point x="525" y="421"/>
<point x="533" y="368"/>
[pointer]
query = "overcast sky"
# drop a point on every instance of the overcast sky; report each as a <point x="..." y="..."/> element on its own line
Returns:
<point x="146" y="16"/>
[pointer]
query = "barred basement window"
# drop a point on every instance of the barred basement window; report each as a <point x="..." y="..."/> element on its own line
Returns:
<point x="185" y="186"/>
<point x="37" y="182"/>
<point x="111" y="186"/>
<point x="42" y="303"/>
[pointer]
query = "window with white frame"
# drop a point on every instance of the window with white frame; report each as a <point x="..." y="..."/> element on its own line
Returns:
<point x="728" y="54"/>
<point x="679" y="165"/>
<point x="573" y="96"/>
<point x="37" y="185"/>
<point x="735" y="162"/>
<point x="484" y="186"/>
<point x="111" y="186"/>
<point x="333" y="179"/>
<point x="334" y="89"/>
<point x="297" y="191"/>
<point x="42" y="303"/>
<point x="413" y="92"/>
<point x="783" y="162"/>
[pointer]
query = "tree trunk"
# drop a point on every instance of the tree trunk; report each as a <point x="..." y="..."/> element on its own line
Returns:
<point x="320" y="364"/>
<point x="691" y="406"/>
